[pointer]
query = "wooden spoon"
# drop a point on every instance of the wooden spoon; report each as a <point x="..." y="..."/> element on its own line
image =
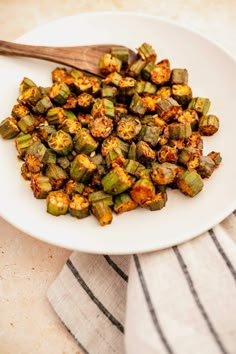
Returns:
<point x="81" y="57"/>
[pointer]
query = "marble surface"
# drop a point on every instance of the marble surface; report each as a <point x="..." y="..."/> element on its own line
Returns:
<point x="28" y="325"/>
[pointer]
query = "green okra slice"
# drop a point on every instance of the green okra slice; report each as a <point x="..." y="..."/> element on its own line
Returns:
<point x="179" y="76"/>
<point x="56" y="175"/>
<point x="149" y="88"/>
<point x="82" y="168"/>
<point x="208" y="125"/>
<point x="143" y="191"/>
<point x="59" y="93"/>
<point x="114" y="157"/>
<point x="144" y="153"/>
<point x="103" y="107"/>
<point x="79" y="206"/>
<point x="146" y="52"/>
<point x="136" y="67"/>
<point x="72" y="187"/>
<point x="123" y="202"/>
<point x="84" y="119"/>
<point x="113" y="78"/>
<point x="167" y="154"/>
<point x="122" y="53"/>
<point x="150" y="134"/>
<point x="164" y="173"/>
<point x="113" y="143"/>
<point x="109" y="92"/>
<point x="9" y="128"/>
<point x="206" y="166"/>
<point x="138" y="105"/>
<point x="179" y="130"/>
<point x="182" y="93"/>
<point x="60" y="142"/>
<point x="132" y="151"/>
<point x="160" y="74"/>
<point x="100" y="196"/>
<point x="101" y="127"/>
<point x="19" y="111"/>
<point x="56" y="115"/>
<point x="200" y="105"/>
<point x="43" y="105"/>
<point x="109" y="63"/>
<point x="167" y="108"/>
<point x="163" y="92"/>
<point x="127" y="86"/>
<point x="128" y="127"/>
<point x="22" y="142"/>
<point x="71" y="126"/>
<point x="146" y="71"/>
<point x="59" y="74"/>
<point x="194" y="141"/>
<point x="27" y="123"/>
<point x="63" y="162"/>
<point x="102" y="212"/>
<point x="189" y="116"/>
<point x="45" y="131"/>
<point x="85" y="102"/>
<point x="30" y="96"/>
<point x="190" y="183"/>
<point x="190" y="157"/>
<point x="57" y="203"/>
<point x="36" y="157"/>
<point x="133" y="167"/>
<point x="158" y="202"/>
<point x="216" y="157"/>
<point x="25" y="84"/>
<point x="116" y="181"/>
<point x="84" y="143"/>
<point x="40" y="186"/>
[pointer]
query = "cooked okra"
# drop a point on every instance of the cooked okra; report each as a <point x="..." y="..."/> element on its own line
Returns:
<point x="96" y="146"/>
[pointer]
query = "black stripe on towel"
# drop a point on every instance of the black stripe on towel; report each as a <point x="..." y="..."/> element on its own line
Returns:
<point x="222" y="253"/>
<point x="101" y="307"/>
<point x="150" y="306"/>
<point x="81" y="346"/>
<point x="116" y="268"/>
<point x="197" y="299"/>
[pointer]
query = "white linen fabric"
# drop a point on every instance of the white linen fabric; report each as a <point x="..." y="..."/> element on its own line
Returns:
<point x="179" y="300"/>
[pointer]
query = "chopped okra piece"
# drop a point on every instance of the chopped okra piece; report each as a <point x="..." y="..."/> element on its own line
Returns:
<point x="57" y="203"/>
<point x="114" y="158"/>
<point x="109" y="63"/>
<point x="163" y="92"/>
<point x="149" y="88"/>
<point x="83" y="84"/>
<point x="127" y="86"/>
<point x="79" y="206"/>
<point x="25" y="84"/>
<point x="128" y="127"/>
<point x="150" y="102"/>
<point x="113" y="78"/>
<point x="136" y="67"/>
<point x="123" y="202"/>
<point x="101" y="127"/>
<point x="189" y="116"/>
<point x="70" y="114"/>
<point x="25" y="173"/>
<point x="133" y="167"/>
<point x="179" y="77"/>
<point x="84" y="142"/>
<point x="109" y="92"/>
<point x="71" y="102"/>
<point x="103" y="107"/>
<point x="146" y="52"/>
<point x="190" y="183"/>
<point x="19" y="111"/>
<point x="100" y="196"/>
<point x="167" y="154"/>
<point x="206" y="166"/>
<point x="82" y="168"/>
<point x="63" y="162"/>
<point x="40" y="186"/>
<point x="85" y="119"/>
<point x="71" y="187"/>
<point x="122" y="53"/>
<point x="9" y="128"/>
<point x="215" y="157"/>
<point x="179" y="130"/>
<point x="28" y="123"/>
<point x="23" y="141"/>
<point x="112" y="143"/>
<point x="71" y="126"/>
<point x="167" y="109"/>
<point x="147" y="119"/>
<point x="146" y="71"/>
<point x="143" y="191"/>
<point x="51" y="157"/>
<point x="43" y="105"/>
<point x="158" y="202"/>
<point x="56" y="115"/>
<point x="56" y="175"/>
<point x="159" y="122"/>
<point x="150" y="134"/>
<point x="30" y="96"/>
<point x="200" y="105"/>
<point x="164" y="173"/>
<point x="195" y="141"/>
<point x="45" y="131"/>
<point x="139" y="86"/>
<point x="160" y="74"/>
<point x="132" y="151"/>
<point x="208" y="125"/>
<point x="189" y="157"/>
<point x="182" y="94"/>
<point x="85" y="102"/>
<point x="59" y="74"/>
<point x="36" y="157"/>
<point x="103" y="213"/>
<point x="60" y="142"/>
<point x="116" y="181"/>
<point x="96" y="85"/>
<point x="144" y="152"/>
<point x="163" y="140"/>
<point x="59" y="93"/>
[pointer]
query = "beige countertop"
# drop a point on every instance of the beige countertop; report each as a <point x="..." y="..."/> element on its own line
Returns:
<point x="28" y="325"/>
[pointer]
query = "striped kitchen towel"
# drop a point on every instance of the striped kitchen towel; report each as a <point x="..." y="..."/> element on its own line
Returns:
<point x="180" y="300"/>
